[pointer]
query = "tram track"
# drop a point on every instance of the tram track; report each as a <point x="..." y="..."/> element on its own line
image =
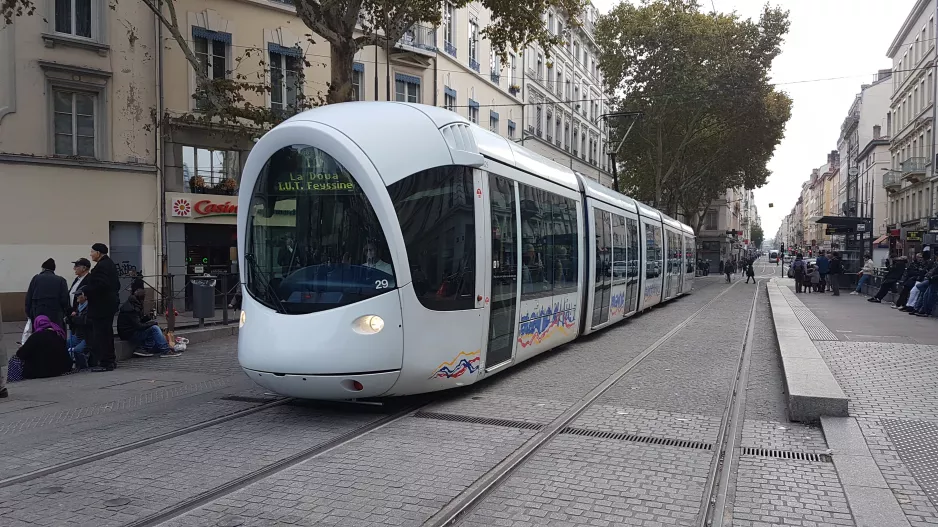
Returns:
<point x="104" y="454"/>
<point x="459" y="507"/>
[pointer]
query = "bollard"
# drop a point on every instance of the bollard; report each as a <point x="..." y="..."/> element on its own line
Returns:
<point x="224" y="299"/>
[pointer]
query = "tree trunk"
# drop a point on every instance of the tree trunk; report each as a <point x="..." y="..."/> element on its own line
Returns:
<point x="340" y="86"/>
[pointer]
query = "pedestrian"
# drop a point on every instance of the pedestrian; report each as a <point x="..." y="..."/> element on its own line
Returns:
<point x="102" y="288"/>
<point x="894" y="273"/>
<point x="798" y="270"/>
<point x="139" y="329"/>
<point x="929" y="296"/>
<point x="3" y="362"/>
<point x="728" y="270"/>
<point x="81" y="267"/>
<point x="47" y="295"/>
<point x="823" y="268"/>
<point x="813" y="280"/>
<point x="750" y="273"/>
<point x="81" y="331"/>
<point x="835" y="269"/>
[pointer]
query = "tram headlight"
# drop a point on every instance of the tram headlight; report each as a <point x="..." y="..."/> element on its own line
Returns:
<point x="241" y="320"/>
<point x="368" y="324"/>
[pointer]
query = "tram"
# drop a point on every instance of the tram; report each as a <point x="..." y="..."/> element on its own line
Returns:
<point x="389" y="249"/>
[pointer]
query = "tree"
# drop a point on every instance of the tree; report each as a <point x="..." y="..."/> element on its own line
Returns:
<point x="711" y="119"/>
<point x="383" y="22"/>
<point x="756" y="235"/>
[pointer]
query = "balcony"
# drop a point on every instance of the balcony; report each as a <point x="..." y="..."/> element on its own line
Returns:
<point x="418" y="39"/>
<point x="913" y="169"/>
<point x="496" y="77"/>
<point x="449" y="48"/>
<point x="474" y="64"/>
<point x="891" y="181"/>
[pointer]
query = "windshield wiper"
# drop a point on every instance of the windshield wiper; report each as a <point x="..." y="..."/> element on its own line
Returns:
<point x="270" y="293"/>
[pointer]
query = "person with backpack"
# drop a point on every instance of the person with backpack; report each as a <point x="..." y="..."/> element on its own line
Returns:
<point x="798" y="270"/>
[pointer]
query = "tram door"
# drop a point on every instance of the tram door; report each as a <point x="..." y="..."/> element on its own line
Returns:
<point x="504" y="281"/>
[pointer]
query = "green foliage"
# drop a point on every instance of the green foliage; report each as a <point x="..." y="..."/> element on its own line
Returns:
<point x="756" y="235"/>
<point x="515" y="23"/>
<point x="711" y="119"/>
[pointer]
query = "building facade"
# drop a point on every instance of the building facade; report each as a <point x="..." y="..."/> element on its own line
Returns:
<point x="77" y="146"/>
<point x="168" y="197"/>
<point x="723" y="233"/>
<point x="911" y="182"/>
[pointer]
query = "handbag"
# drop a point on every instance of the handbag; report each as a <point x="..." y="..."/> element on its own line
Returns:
<point x="27" y="331"/>
<point x="791" y="272"/>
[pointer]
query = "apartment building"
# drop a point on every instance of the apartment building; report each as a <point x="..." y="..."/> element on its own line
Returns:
<point x="911" y="183"/>
<point x="77" y="149"/>
<point x="726" y="227"/>
<point x="165" y="199"/>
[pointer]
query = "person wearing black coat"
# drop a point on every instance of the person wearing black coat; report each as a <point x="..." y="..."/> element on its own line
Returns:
<point x="44" y="354"/>
<point x="893" y="275"/>
<point x="47" y="295"/>
<point x="102" y="287"/>
<point x="914" y="273"/>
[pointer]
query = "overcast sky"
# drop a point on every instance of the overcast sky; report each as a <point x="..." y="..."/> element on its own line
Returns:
<point x="827" y="38"/>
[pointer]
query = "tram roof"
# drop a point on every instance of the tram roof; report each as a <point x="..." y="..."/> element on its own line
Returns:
<point x="596" y="191"/>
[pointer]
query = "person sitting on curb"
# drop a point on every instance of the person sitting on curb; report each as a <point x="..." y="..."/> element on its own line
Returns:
<point x="893" y="274"/>
<point x="44" y="353"/>
<point x="138" y="329"/>
<point x="81" y="330"/>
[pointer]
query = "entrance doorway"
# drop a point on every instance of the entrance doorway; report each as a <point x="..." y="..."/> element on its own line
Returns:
<point x="125" y="249"/>
<point x="504" y="283"/>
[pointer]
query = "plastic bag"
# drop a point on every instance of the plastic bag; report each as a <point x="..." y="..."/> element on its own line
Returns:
<point x="27" y="331"/>
<point x="182" y="344"/>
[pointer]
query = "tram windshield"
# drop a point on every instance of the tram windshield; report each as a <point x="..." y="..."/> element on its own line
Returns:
<point x="313" y="239"/>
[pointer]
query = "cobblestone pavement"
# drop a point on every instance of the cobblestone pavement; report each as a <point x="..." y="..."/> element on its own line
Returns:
<point x="404" y="472"/>
<point x="892" y="382"/>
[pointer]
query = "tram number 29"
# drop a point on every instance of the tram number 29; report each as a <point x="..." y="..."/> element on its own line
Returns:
<point x="381" y="284"/>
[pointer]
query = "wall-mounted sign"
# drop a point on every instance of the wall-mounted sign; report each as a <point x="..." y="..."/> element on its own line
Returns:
<point x="933" y="225"/>
<point x="195" y="207"/>
<point x="914" y="236"/>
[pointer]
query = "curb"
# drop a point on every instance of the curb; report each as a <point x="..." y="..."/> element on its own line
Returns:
<point x="125" y="350"/>
<point x="813" y="391"/>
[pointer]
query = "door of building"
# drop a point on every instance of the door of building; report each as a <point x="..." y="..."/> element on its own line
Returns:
<point x="126" y="249"/>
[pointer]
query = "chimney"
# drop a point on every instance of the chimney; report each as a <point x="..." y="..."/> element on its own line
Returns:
<point x="876" y="131"/>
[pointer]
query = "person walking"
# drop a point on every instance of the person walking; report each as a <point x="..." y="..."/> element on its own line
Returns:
<point x="750" y="273"/>
<point x="102" y="288"/>
<point x="866" y="274"/>
<point x="835" y="269"/>
<point x="728" y="269"/>
<point x="48" y="295"/>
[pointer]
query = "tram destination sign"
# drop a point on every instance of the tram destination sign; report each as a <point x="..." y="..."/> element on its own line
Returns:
<point x="314" y="183"/>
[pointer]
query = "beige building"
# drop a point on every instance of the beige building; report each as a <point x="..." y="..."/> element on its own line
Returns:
<point x="77" y="152"/>
<point x="91" y="82"/>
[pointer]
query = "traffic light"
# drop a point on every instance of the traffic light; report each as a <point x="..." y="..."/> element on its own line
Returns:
<point x="781" y="249"/>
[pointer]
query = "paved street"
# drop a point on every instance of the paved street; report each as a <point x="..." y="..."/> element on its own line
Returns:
<point x="190" y="441"/>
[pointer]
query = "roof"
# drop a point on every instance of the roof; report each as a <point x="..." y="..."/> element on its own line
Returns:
<point x="899" y="40"/>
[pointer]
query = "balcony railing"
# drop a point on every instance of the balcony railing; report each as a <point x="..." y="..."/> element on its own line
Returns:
<point x="891" y="180"/>
<point x="496" y="77"/>
<point x="474" y="64"/>
<point x="418" y="38"/>
<point x="913" y="168"/>
<point x="449" y="47"/>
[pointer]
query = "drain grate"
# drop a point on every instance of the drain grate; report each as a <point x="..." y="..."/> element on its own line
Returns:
<point x="244" y="399"/>
<point x="787" y="454"/>
<point x="508" y="423"/>
<point x="664" y="441"/>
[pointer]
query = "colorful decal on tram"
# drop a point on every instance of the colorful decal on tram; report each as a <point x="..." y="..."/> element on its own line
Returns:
<point x="465" y="362"/>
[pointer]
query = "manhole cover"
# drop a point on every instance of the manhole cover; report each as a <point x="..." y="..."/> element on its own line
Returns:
<point x="231" y="521"/>
<point x="50" y="490"/>
<point x="117" y="502"/>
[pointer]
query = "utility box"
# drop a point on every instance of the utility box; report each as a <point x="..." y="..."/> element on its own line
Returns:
<point x="203" y="297"/>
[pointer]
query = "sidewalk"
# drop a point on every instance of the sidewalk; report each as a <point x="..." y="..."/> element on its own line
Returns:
<point x="887" y="364"/>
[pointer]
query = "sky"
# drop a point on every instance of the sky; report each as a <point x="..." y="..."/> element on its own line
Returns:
<point x="843" y="39"/>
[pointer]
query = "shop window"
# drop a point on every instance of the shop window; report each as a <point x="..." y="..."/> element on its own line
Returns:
<point x="207" y="171"/>
<point x="437" y="218"/>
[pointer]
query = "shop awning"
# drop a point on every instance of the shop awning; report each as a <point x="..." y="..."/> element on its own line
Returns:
<point x="884" y="239"/>
<point x="842" y="221"/>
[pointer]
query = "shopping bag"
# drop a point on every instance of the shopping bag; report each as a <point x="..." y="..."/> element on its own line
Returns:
<point x="182" y="344"/>
<point x="27" y="331"/>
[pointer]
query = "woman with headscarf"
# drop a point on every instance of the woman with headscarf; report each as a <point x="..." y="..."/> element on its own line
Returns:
<point x="45" y="353"/>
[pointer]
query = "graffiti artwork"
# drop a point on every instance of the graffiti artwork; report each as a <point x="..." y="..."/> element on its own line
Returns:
<point x="465" y="363"/>
<point x="540" y="326"/>
<point x="617" y="305"/>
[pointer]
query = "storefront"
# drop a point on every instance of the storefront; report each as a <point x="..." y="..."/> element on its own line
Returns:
<point x="202" y="238"/>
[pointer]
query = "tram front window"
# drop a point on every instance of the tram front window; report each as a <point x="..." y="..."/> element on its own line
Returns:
<point x="313" y="239"/>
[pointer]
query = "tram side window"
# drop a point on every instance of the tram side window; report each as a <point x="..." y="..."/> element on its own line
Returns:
<point x="674" y="253"/>
<point x="653" y="244"/>
<point x="690" y="253"/>
<point x="565" y="241"/>
<point x="435" y="210"/>
<point x="619" y="265"/>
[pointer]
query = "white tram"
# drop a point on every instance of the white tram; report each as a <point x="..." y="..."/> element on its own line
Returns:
<point x="390" y="249"/>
